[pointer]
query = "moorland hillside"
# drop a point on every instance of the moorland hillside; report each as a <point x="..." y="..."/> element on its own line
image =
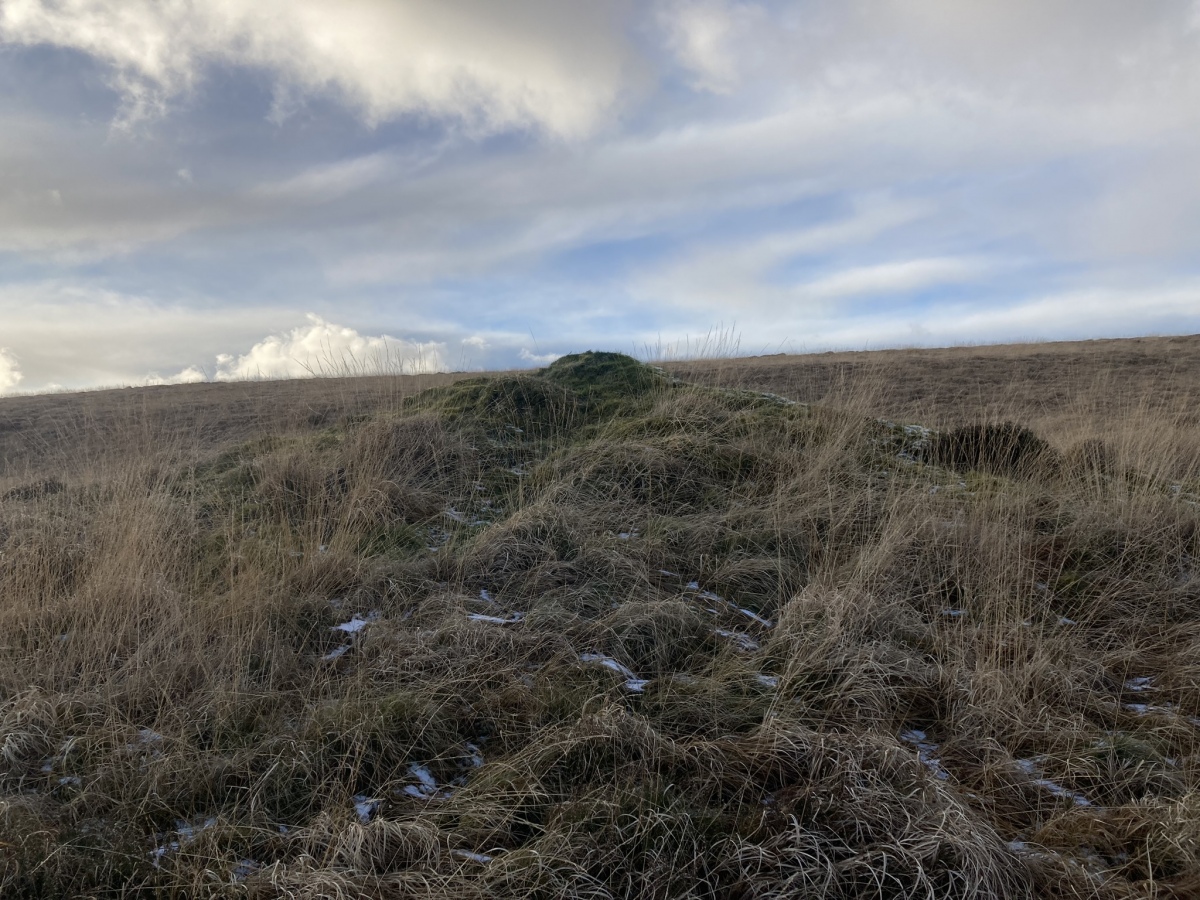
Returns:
<point x="729" y="629"/>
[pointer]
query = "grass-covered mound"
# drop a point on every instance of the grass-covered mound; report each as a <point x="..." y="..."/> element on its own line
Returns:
<point x="593" y="632"/>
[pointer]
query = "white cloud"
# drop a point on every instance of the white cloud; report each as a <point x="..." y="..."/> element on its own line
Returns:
<point x="322" y="348"/>
<point x="10" y="371"/>
<point x="538" y="359"/>
<point x="190" y="375"/>
<point x="491" y="66"/>
<point x="701" y="34"/>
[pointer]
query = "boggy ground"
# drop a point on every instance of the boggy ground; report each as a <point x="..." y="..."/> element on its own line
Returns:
<point x="595" y="632"/>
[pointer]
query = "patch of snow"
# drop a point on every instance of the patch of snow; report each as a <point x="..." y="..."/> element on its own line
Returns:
<point x="426" y="787"/>
<point x="1140" y="684"/>
<point x="632" y="682"/>
<point x="765" y="623"/>
<point x="475" y="758"/>
<point x="1147" y="709"/>
<point x="439" y="537"/>
<point x="769" y="681"/>
<point x="1063" y="620"/>
<point x="744" y="642"/>
<point x="668" y="573"/>
<point x="186" y="832"/>
<point x="692" y="585"/>
<point x="70" y="781"/>
<point x="628" y="535"/>
<point x="424" y="776"/>
<point x="337" y="653"/>
<point x="951" y="613"/>
<point x="497" y="620"/>
<point x="782" y="401"/>
<point x="365" y="807"/>
<point x="927" y="752"/>
<point x="486" y="596"/>
<point x="357" y="623"/>
<point x="1030" y="768"/>
<point x="471" y="856"/>
<point x="608" y="662"/>
<point x="244" y="869"/>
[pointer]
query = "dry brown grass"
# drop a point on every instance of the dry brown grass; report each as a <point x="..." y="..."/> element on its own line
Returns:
<point x="620" y="636"/>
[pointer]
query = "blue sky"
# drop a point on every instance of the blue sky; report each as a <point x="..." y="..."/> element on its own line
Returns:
<point x="244" y="188"/>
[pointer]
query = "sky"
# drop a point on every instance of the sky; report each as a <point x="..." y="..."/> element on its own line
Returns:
<point x="236" y="189"/>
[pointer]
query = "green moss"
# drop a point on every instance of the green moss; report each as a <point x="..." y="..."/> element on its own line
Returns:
<point x="395" y="541"/>
<point x="602" y="377"/>
<point x="509" y="408"/>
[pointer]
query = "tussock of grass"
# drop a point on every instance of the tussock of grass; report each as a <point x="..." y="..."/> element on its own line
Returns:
<point x="597" y="632"/>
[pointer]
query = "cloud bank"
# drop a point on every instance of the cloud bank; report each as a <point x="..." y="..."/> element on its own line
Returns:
<point x="527" y="64"/>
<point x="318" y="349"/>
<point x="10" y="371"/>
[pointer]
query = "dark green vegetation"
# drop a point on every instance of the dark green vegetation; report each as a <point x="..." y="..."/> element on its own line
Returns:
<point x="594" y="632"/>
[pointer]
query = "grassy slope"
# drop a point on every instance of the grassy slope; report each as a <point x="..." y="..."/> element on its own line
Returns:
<point x="713" y="622"/>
